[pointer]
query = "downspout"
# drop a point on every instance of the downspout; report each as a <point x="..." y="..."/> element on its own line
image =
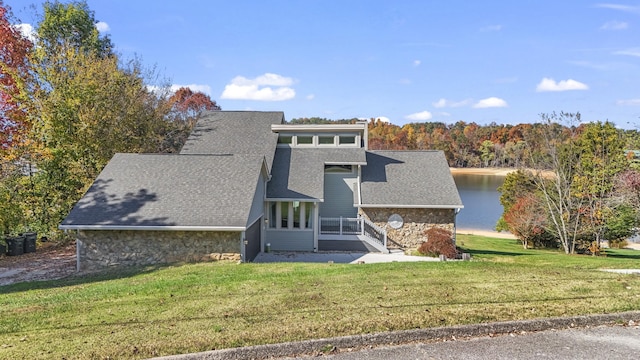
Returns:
<point x="78" y="245"/>
<point x="455" y="225"/>
<point x="243" y="247"/>
<point x="316" y="223"/>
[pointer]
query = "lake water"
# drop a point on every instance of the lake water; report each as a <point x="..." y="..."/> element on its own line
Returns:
<point x="481" y="201"/>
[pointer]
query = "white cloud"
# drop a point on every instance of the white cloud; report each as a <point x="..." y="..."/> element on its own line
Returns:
<point x="102" y="26"/>
<point x="310" y="97"/>
<point x="260" y="88"/>
<point x="417" y="62"/>
<point x="491" y="28"/>
<point x="490" y="103"/>
<point x="383" y="119"/>
<point x="548" y="84"/>
<point x="27" y="31"/>
<point x="614" y="25"/>
<point x="625" y="8"/>
<point x="419" y="116"/>
<point x="631" y="52"/>
<point x="448" y="103"/>
<point x="628" y="102"/>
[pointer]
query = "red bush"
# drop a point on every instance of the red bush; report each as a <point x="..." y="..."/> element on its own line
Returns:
<point x="439" y="242"/>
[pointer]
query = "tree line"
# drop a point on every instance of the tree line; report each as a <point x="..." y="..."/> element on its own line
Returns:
<point x="68" y="103"/>
<point x="577" y="184"/>
<point x="469" y="144"/>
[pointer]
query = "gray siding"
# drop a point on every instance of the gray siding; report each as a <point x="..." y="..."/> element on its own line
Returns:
<point x="338" y="195"/>
<point x="257" y="206"/>
<point x="290" y="240"/>
<point x="252" y="237"/>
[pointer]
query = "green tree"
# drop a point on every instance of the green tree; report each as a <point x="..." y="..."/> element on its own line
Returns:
<point x="87" y="105"/>
<point x="69" y="26"/>
<point x="486" y="152"/>
<point x="602" y="158"/>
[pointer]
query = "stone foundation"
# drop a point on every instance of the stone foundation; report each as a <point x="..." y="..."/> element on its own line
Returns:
<point x="100" y="249"/>
<point x="416" y="221"/>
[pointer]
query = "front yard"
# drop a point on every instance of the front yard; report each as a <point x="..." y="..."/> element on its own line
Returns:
<point x="198" y="307"/>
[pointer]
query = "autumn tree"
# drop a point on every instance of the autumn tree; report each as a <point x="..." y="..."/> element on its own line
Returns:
<point x="188" y="105"/>
<point x="14" y="71"/>
<point x="88" y="105"/>
<point x="554" y="163"/>
<point x="185" y="107"/>
<point x="526" y="220"/>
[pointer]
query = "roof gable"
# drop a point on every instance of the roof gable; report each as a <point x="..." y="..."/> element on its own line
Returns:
<point x="170" y="191"/>
<point x="235" y="132"/>
<point x="408" y="179"/>
<point x="298" y="173"/>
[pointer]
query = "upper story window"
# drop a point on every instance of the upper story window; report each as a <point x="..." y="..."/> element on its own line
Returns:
<point x="319" y="140"/>
<point x="326" y="140"/>
<point x="338" y="169"/>
<point x="304" y="140"/>
<point x="346" y="140"/>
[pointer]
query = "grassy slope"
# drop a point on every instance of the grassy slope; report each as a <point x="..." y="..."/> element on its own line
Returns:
<point x="197" y="307"/>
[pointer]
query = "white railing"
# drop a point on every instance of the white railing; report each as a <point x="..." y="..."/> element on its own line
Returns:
<point x="340" y="226"/>
<point x="374" y="232"/>
<point x="353" y="226"/>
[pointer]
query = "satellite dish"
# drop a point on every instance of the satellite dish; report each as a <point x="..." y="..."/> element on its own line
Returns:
<point x="395" y="221"/>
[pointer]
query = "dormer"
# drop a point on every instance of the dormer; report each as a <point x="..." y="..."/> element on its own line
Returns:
<point x="322" y="136"/>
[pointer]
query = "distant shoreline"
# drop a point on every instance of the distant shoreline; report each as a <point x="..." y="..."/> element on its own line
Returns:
<point x="483" y="171"/>
<point x="487" y="233"/>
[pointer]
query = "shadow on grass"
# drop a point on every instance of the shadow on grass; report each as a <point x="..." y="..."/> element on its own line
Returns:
<point x="81" y="279"/>
<point x="495" y="252"/>
<point x="623" y="254"/>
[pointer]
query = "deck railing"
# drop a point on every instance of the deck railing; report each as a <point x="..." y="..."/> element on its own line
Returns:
<point x="374" y="232"/>
<point x="353" y="226"/>
<point x="340" y="226"/>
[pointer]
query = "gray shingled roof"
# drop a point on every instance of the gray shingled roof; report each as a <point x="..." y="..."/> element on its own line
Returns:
<point x="170" y="191"/>
<point x="408" y="179"/>
<point x="235" y="132"/>
<point x="298" y="173"/>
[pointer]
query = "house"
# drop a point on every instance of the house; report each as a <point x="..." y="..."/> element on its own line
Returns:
<point x="246" y="181"/>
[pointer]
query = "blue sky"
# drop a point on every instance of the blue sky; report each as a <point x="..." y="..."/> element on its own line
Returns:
<point x="408" y="61"/>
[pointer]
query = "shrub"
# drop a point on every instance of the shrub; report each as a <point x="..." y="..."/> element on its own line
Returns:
<point x="618" y="244"/>
<point x="439" y="242"/>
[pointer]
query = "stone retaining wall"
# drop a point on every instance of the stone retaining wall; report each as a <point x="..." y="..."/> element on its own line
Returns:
<point x="416" y="221"/>
<point x="100" y="249"/>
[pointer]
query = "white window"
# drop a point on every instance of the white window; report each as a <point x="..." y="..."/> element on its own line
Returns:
<point x="294" y="215"/>
<point x="304" y="140"/>
<point x="347" y="140"/>
<point x="326" y="140"/>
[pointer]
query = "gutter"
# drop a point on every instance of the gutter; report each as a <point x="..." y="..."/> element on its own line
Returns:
<point x="405" y="206"/>
<point x="152" y="228"/>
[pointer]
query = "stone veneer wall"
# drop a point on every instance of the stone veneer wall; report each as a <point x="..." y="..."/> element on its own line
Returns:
<point x="100" y="249"/>
<point x="416" y="221"/>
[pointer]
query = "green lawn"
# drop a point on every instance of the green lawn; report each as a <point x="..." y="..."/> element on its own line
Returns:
<point x="199" y="307"/>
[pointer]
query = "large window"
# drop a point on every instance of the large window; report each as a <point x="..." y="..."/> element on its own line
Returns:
<point x="293" y="215"/>
<point x="304" y="140"/>
<point x="320" y="140"/>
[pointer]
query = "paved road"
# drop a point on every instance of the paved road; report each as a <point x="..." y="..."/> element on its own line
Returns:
<point x="604" y="342"/>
